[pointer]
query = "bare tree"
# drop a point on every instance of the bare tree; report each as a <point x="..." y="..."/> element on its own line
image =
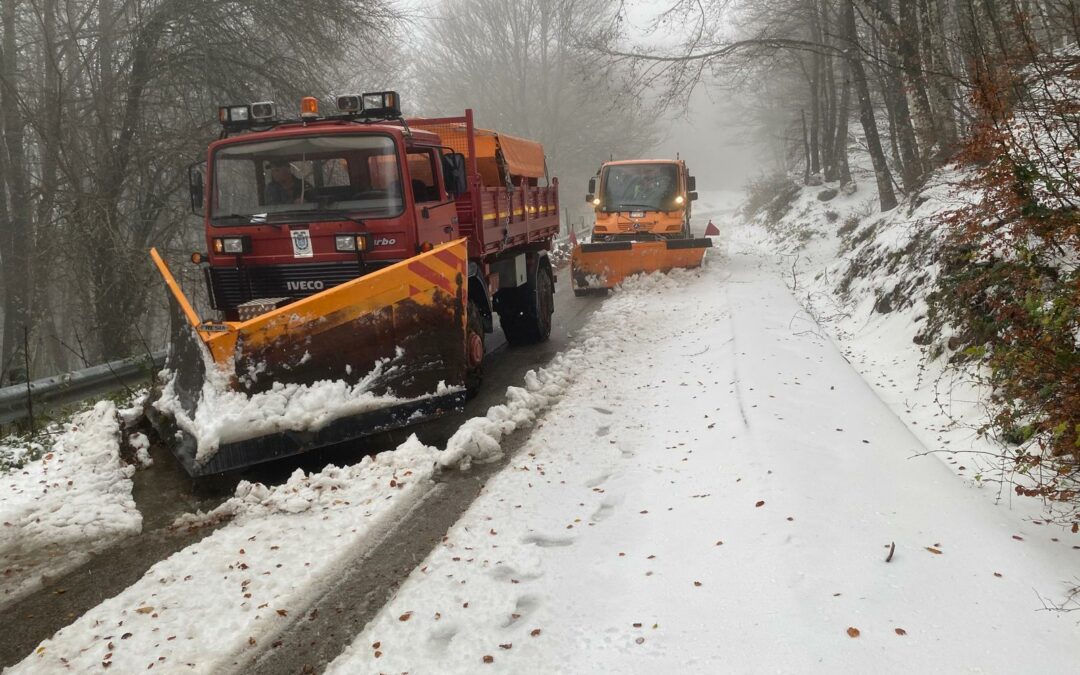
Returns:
<point x="104" y="105"/>
<point x="520" y="67"/>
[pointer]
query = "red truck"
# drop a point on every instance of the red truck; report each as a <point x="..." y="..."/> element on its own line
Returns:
<point x="340" y="243"/>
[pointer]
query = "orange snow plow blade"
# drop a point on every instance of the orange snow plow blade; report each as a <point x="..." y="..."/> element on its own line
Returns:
<point x="604" y="265"/>
<point x="411" y="314"/>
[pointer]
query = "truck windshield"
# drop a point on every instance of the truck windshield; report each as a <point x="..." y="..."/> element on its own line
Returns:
<point x="639" y="187"/>
<point x="265" y="180"/>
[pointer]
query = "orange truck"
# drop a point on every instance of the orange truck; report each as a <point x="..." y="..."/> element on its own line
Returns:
<point x="642" y="225"/>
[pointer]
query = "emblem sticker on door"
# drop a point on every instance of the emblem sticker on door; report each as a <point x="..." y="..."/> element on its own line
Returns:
<point x="301" y="244"/>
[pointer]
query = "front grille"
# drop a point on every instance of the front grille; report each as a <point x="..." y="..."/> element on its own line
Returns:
<point x="231" y="286"/>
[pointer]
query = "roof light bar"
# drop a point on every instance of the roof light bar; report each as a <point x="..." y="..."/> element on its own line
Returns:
<point x="263" y="111"/>
<point x="234" y="115"/>
<point x="350" y="103"/>
<point x="385" y="104"/>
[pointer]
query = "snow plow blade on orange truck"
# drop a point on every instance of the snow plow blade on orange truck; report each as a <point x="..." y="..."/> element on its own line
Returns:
<point x="642" y="224"/>
<point x="355" y="264"/>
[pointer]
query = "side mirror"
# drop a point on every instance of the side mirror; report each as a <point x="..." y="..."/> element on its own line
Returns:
<point x="592" y="186"/>
<point x="454" y="173"/>
<point x="589" y="197"/>
<point x="693" y="196"/>
<point x="691" y="183"/>
<point x="196" y="183"/>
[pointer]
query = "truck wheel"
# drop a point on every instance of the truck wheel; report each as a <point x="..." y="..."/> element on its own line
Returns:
<point x="526" y="315"/>
<point x="474" y="351"/>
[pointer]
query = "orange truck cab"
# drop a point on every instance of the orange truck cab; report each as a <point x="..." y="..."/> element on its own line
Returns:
<point x="642" y="223"/>
<point x="642" y="199"/>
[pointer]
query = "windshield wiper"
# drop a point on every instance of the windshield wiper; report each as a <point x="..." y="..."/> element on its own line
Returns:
<point x="319" y="214"/>
<point x="247" y="219"/>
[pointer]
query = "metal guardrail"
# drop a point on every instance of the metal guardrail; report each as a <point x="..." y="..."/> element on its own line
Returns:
<point x="76" y="386"/>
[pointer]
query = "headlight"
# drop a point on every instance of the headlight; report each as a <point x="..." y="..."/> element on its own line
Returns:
<point x="348" y="243"/>
<point x="680" y="199"/>
<point x="345" y="242"/>
<point x="231" y="245"/>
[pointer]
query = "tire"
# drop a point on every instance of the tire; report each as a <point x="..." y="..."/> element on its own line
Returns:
<point x="525" y="314"/>
<point x="581" y="292"/>
<point x="474" y="330"/>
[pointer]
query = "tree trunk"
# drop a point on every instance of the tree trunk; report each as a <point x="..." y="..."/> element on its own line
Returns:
<point x="886" y="196"/>
<point x="912" y="60"/>
<point x="16" y="227"/>
<point x="806" y="149"/>
<point x="843" y="110"/>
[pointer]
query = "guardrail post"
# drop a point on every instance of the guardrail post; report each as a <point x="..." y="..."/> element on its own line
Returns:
<point x="26" y="362"/>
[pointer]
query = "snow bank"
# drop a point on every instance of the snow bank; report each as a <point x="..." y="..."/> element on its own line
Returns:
<point x="204" y="608"/>
<point x="72" y="502"/>
<point x="864" y="278"/>
<point x="225" y="415"/>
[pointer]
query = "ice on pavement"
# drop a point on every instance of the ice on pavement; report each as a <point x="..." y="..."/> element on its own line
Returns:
<point x="724" y="497"/>
<point x="57" y="511"/>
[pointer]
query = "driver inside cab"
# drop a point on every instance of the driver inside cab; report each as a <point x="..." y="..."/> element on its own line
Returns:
<point x="285" y="187"/>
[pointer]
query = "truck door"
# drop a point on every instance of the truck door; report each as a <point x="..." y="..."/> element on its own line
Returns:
<point x="436" y="213"/>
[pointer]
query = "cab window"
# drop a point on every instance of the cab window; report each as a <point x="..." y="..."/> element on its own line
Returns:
<point x="422" y="172"/>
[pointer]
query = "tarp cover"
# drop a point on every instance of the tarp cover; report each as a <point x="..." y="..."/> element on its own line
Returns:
<point x="523" y="157"/>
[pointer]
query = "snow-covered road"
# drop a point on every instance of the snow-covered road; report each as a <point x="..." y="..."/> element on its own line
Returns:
<point x="723" y="497"/>
<point x="710" y="487"/>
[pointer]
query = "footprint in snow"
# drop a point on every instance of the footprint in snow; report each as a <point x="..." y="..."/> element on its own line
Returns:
<point x="526" y="605"/>
<point x="503" y="572"/>
<point x="599" y="480"/>
<point x="441" y="636"/>
<point x="547" y="541"/>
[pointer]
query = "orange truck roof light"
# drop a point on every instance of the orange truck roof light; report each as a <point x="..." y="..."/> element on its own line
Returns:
<point x="309" y="107"/>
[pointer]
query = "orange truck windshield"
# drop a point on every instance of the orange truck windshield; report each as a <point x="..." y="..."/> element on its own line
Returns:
<point x="639" y="187"/>
<point x="355" y="174"/>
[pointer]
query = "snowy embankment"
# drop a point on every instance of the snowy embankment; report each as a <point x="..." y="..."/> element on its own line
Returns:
<point x="864" y="277"/>
<point x="728" y="495"/>
<point x="241" y="586"/>
<point x="58" y="510"/>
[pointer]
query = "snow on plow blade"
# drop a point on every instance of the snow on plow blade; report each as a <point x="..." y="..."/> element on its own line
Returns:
<point x="607" y="264"/>
<point x="381" y="351"/>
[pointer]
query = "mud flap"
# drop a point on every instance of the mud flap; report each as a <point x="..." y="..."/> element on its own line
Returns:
<point x="607" y="264"/>
<point x="411" y="315"/>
